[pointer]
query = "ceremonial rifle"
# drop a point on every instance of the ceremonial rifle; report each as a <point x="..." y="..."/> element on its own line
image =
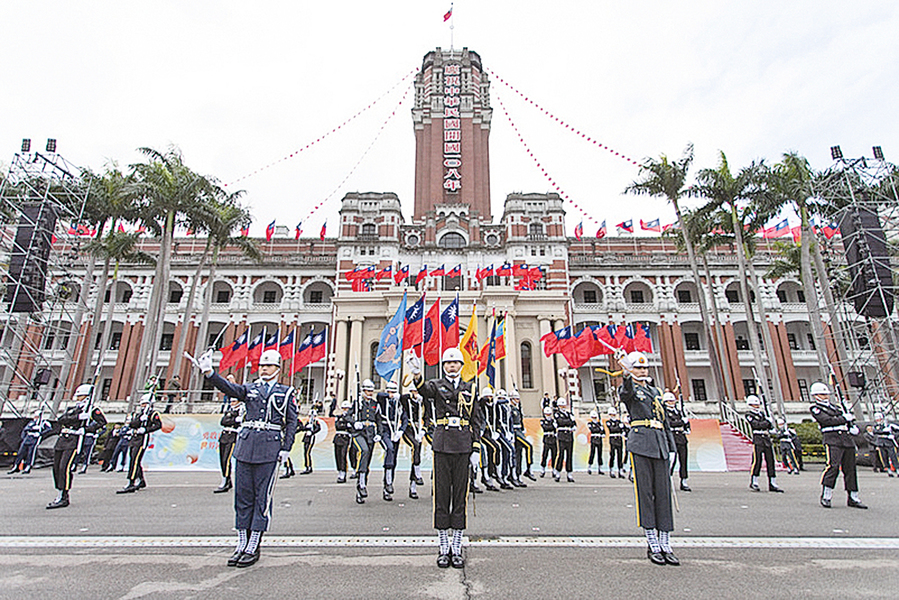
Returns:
<point x="761" y="389"/>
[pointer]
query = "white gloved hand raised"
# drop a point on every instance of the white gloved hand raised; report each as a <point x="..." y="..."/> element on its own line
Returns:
<point x="475" y="459"/>
<point x="358" y="425"/>
<point x="854" y="430"/>
<point x="140" y="430"/>
<point x="283" y="455"/>
<point x="848" y="416"/>
<point x="377" y="438"/>
<point x="204" y="362"/>
<point x="397" y="435"/>
<point x="626" y="364"/>
<point x="419" y="436"/>
<point x="84" y="416"/>
<point x="495" y="435"/>
<point x="414" y="365"/>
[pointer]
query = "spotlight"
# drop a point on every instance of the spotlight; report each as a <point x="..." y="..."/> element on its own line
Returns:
<point x="26" y="145"/>
<point x="51" y="145"/>
<point x="836" y="153"/>
<point x="878" y="152"/>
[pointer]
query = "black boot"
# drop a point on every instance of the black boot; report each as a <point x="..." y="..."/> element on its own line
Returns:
<point x="61" y="502"/>
<point x="226" y="485"/>
<point x="128" y="489"/>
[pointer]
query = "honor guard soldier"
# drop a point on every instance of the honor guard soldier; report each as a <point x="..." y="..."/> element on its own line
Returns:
<point x="762" y="428"/>
<point x="120" y="455"/>
<point x="264" y="439"/>
<point x="310" y="430"/>
<point x="343" y="433"/>
<point x="837" y="428"/>
<point x="680" y="427"/>
<point x="144" y="422"/>
<point x="71" y="436"/>
<point x="413" y="434"/>
<point x="490" y="451"/>
<point x="366" y="433"/>
<point x="596" y="434"/>
<point x="32" y="433"/>
<point x="651" y="447"/>
<point x="505" y="440"/>
<point x="617" y="430"/>
<point x="885" y="443"/>
<point x="550" y="443"/>
<point x="565" y="426"/>
<point x="787" y="447"/>
<point x="393" y="424"/>
<point x="230" y="423"/>
<point x="524" y="450"/>
<point x="92" y="431"/>
<point x="456" y="446"/>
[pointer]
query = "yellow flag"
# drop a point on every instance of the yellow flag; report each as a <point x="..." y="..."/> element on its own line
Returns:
<point x="469" y="347"/>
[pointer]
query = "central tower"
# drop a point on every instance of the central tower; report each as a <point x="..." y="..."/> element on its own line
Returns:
<point x="452" y="126"/>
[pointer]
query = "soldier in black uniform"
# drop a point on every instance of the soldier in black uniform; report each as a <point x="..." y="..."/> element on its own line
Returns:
<point x="837" y="429"/>
<point x="92" y="431"/>
<point x="310" y="430"/>
<point x="456" y="446"/>
<point x="505" y="440"/>
<point x="367" y="419"/>
<point x="121" y="447"/>
<point x="230" y="423"/>
<point x="145" y="421"/>
<point x="784" y="437"/>
<point x="550" y="442"/>
<point x="761" y="444"/>
<point x="71" y="436"/>
<point x="524" y="450"/>
<point x="680" y="427"/>
<point x="264" y="439"/>
<point x="413" y="433"/>
<point x="565" y="427"/>
<point x="393" y="424"/>
<point x="651" y="447"/>
<point x="597" y="432"/>
<point x="490" y="451"/>
<point x="32" y="433"/>
<point x="343" y="434"/>
<point x="617" y="430"/>
<point x="885" y="443"/>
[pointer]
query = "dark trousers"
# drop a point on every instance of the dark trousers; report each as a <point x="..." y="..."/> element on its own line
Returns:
<point x="135" y="468"/>
<point x="340" y="452"/>
<point x="87" y="448"/>
<point x="838" y="458"/>
<point x="62" y="468"/>
<point x="564" y="458"/>
<point x="652" y="486"/>
<point x="595" y="452"/>
<point x="491" y="456"/>
<point x="121" y="451"/>
<point x="758" y="452"/>
<point x="353" y="454"/>
<point x="888" y="457"/>
<point x="409" y="439"/>
<point x="450" y="490"/>
<point x="364" y="447"/>
<point x="681" y="460"/>
<point x="616" y="456"/>
<point x="550" y="450"/>
<point x="26" y="453"/>
<point x="253" y="487"/>
<point x="524" y="453"/>
<point x="308" y="443"/>
<point x="226" y="450"/>
<point x="506" y="452"/>
<point x="788" y="458"/>
<point x="389" y="452"/>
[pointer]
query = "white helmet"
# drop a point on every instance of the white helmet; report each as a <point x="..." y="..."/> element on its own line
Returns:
<point x="669" y="397"/>
<point x="368" y="385"/>
<point x="146" y="398"/>
<point x="561" y="401"/>
<point x="487" y="392"/>
<point x="392" y="386"/>
<point x="878" y="416"/>
<point x="514" y="394"/>
<point x="613" y="411"/>
<point x="594" y="414"/>
<point x="819" y="389"/>
<point x="502" y="395"/>
<point x="547" y="411"/>
<point x="753" y="400"/>
<point x="270" y="357"/>
<point x="84" y="389"/>
<point x="346" y="404"/>
<point x="638" y="359"/>
<point x="453" y="355"/>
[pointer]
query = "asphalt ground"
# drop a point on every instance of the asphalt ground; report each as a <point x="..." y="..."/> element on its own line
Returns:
<point x="551" y="540"/>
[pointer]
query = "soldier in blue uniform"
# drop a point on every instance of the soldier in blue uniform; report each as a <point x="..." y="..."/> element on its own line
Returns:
<point x="456" y="450"/>
<point x="651" y="447"/>
<point x="73" y="422"/>
<point x="393" y="424"/>
<point x="230" y="423"/>
<point x="837" y="429"/>
<point x="784" y="437"/>
<point x="264" y="439"/>
<point x="32" y="433"/>
<point x="343" y="434"/>
<point x="367" y="419"/>
<point x="762" y="428"/>
<point x="144" y="422"/>
<point x="121" y="448"/>
<point x="524" y="450"/>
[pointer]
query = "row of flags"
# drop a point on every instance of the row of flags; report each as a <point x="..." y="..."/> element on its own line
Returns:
<point x="429" y="332"/>
<point x="360" y="276"/>
<point x="245" y="352"/>
<point x="781" y="229"/>
<point x="623" y="227"/>
<point x="297" y="231"/>
<point x="588" y="342"/>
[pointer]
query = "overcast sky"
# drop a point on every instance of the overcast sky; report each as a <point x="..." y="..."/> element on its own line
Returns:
<point x="240" y="85"/>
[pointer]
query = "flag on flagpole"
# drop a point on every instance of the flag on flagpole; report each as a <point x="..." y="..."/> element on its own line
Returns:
<point x="504" y="271"/>
<point x="449" y="323"/>
<point x="234" y="353"/>
<point x="321" y="235"/>
<point x="490" y="361"/>
<point x="448" y="14"/>
<point x="285" y="348"/>
<point x="484" y="273"/>
<point x="301" y="356"/>
<point x="469" y="347"/>
<point x="651" y="225"/>
<point x="579" y="231"/>
<point x="254" y="352"/>
<point x="299" y="230"/>
<point x="412" y="330"/>
<point x="421" y="274"/>
<point x="401" y="275"/>
<point x="430" y="335"/>
<point x="385" y="272"/>
<point x="269" y="231"/>
<point x="245" y="231"/>
<point x="390" y="347"/>
<point x="439" y="271"/>
<point x="455" y="271"/>
<point x="271" y="342"/>
<point x="500" y="351"/>
<point x="601" y="232"/>
<point x="626" y="226"/>
<point x="779" y="230"/>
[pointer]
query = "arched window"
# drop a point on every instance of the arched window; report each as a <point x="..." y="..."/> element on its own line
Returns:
<point x="535" y="229"/>
<point x="452" y="240"/>
<point x="527" y="366"/>
<point x="376" y="379"/>
<point x="368" y="229"/>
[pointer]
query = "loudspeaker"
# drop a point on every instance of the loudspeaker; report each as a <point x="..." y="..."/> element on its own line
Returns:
<point x="866" y="253"/>
<point x="856" y="379"/>
<point x="26" y="286"/>
<point x="42" y="377"/>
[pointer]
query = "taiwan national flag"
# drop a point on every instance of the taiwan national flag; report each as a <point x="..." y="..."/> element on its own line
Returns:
<point x="254" y="352"/>
<point x="520" y="270"/>
<point x="830" y="230"/>
<point x="431" y="334"/>
<point x="779" y="230"/>
<point x="626" y="226"/>
<point x="438" y="272"/>
<point x="651" y="225"/>
<point x="271" y="342"/>
<point x="448" y="14"/>
<point x="385" y="272"/>
<point x="449" y="323"/>
<point x="245" y="231"/>
<point x="285" y="348"/>
<point x="504" y="271"/>
<point x="270" y="231"/>
<point x="579" y="231"/>
<point x="299" y="230"/>
<point x="484" y="273"/>
<point x="301" y="356"/>
<point x="318" y="349"/>
<point x="390" y="348"/>
<point x="235" y="353"/>
<point x="553" y="341"/>
<point x="601" y="232"/>
<point x="401" y="275"/>
<point x="642" y="337"/>
<point x="412" y="331"/>
<point x="421" y="274"/>
<point x="455" y="271"/>
<point x="321" y="234"/>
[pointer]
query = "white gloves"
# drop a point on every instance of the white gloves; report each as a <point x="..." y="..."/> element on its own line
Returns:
<point x="848" y="416"/>
<point x="357" y="425"/>
<point x="494" y="435"/>
<point x="854" y="430"/>
<point x="475" y="459"/>
<point x="419" y="436"/>
<point x="396" y="436"/>
<point x="510" y="436"/>
<point x="377" y="438"/>
<point x="84" y="416"/>
<point x="625" y="363"/>
<point x="414" y="365"/>
<point x="204" y="362"/>
<point x="283" y="455"/>
<point x="140" y="430"/>
<point x="80" y="431"/>
<point x="672" y="457"/>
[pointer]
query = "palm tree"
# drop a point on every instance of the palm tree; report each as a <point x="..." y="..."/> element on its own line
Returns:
<point x="667" y="179"/>
<point x="743" y="197"/>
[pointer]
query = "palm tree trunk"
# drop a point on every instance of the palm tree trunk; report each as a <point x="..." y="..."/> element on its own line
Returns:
<point x="811" y="294"/>
<point x="720" y="392"/>
<point x="720" y="347"/>
<point x="188" y="311"/>
<point x="110" y="308"/>
<point x="202" y="333"/>
<point x="166" y="257"/>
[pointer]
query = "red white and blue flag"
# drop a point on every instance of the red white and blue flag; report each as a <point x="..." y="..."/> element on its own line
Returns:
<point x="579" y="231"/>
<point x="234" y="353"/>
<point x="413" y="333"/>
<point x="254" y="352"/>
<point x="651" y="225"/>
<point x="285" y="348"/>
<point x="385" y="272"/>
<point x="455" y="271"/>
<point x="779" y="230"/>
<point x="601" y="232"/>
<point x="449" y="322"/>
<point x="626" y="226"/>
<point x="422" y="273"/>
<point x="448" y="14"/>
<point x="270" y="231"/>
<point x="321" y="235"/>
<point x="401" y="275"/>
<point x="299" y="230"/>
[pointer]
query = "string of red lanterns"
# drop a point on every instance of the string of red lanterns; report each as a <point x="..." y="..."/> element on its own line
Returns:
<point x="562" y="122"/>
<point x="334" y="130"/>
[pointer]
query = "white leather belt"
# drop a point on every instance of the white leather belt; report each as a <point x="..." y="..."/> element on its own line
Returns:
<point x="260" y="425"/>
<point x="834" y="428"/>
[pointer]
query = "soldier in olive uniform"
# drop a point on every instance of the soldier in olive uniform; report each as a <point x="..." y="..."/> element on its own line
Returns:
<point x="651" y="447"/>
<point x="456" y="446"/>
<point x="761" y="444"/>
<point x="680" y="427"/>
<point x="837" y="429"/>
<point x="73" y="421"/>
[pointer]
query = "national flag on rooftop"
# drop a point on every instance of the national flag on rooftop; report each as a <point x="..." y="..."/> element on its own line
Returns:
<point x="626" y="226"/>
<point x="651" y="225"/>
<point x="401" y="275"/>
<point x="244" y="231"/>
<point x="448" y="14"/>
<point x="455" y="271"/>
<point x="270" y="231"/>
<point x="579" y="231"/>
<point x="504" y="271"/>
<point x="385" y="272"/>
<point x="299" y="230"/>
<point x="601" y="232"/>
<point x="422" y="273"/>
<point x="484" y="273"/>
<point x="321" y="235"/>
<point x="438" y="272"/>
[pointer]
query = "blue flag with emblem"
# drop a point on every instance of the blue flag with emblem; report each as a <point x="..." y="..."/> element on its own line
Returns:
<point x="390" y="348"/>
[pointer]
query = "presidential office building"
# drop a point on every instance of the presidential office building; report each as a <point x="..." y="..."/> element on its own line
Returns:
<point x="302" y="284"/>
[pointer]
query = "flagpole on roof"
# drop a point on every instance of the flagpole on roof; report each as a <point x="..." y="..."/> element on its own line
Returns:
<point x="452" y="20"/>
